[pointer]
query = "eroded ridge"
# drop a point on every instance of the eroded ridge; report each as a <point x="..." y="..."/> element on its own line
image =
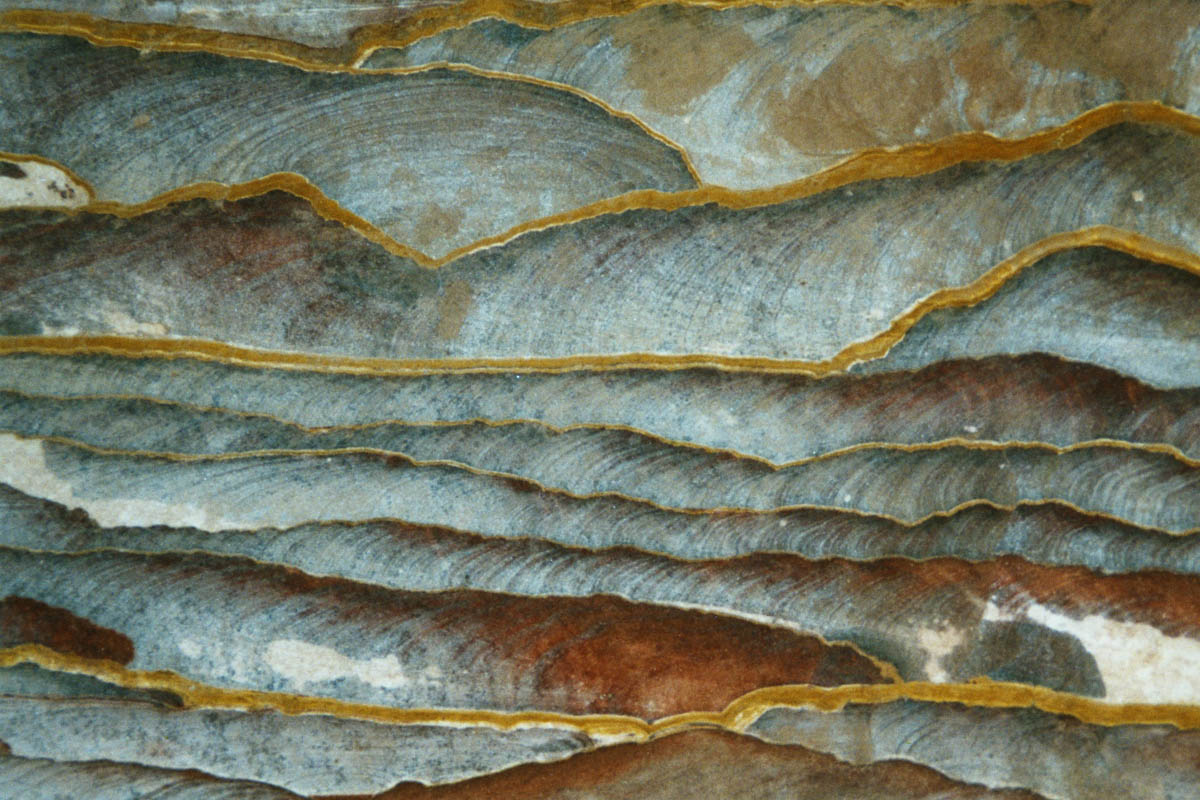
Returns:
<point x="729" y="86"/>
<point x="1147" y="489"/>
<point x="1144" y="488"/>
<point x="435" y="160"/>
<point x="1045" y="534"/>
<point x="870" y="164"/>
<point x="990" y="701"/>
<point x="606" y="289"/>
<point x="48" y="713"/>
<point x="569" y="456"/>
<point x="324" y="35"/>
<point x="1054" y="755"/>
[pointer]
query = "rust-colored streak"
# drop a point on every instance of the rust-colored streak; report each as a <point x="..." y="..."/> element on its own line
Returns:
<point x="871" y="164"/>
<point x="173" y="38"/>
<point x="27" y="621"/>
<point x="656" y="662"/>
<point x="573" y="655"/>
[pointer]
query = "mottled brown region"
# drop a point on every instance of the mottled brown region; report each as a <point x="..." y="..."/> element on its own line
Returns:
<point x="10" y="170"/>
<point x="1167" y="600"/>
<point x="247" y="244"/>
<point x="1032" y="397"/>
<point x="26" y="621"/>
<point x="707" y="763"/>
<point x="653" y="659"/>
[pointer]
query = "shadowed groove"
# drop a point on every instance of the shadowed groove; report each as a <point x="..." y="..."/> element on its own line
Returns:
<point x="557" y="505"/>
<point x="780" y="414"/>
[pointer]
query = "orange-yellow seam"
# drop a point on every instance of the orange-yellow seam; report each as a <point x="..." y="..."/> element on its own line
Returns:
<point x="737" y="716"/>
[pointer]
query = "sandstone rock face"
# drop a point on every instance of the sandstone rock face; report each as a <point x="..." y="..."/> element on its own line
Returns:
<point x="558" y="399"/>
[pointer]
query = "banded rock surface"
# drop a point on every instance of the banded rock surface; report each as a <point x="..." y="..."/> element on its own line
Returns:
<point x="273" y="629"/>
<point x="477" y="399"/>
<point x="1048" y="534"/>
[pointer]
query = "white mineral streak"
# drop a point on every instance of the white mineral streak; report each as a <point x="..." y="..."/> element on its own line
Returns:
<point x="120" y="322"/>
<point x="938" y="643"/>
<point x="303" y="663"/>
<point x="42" y="186"/>
<point x="23" y="467"/>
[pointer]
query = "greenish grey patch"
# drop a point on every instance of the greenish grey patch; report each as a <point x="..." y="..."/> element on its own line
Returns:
<point x="17" y="323"/>
<point x="371" y="272"/>
<point x="1024" y="652"/>
<point x="506" y="33"/>
<point x="30" y="680"/>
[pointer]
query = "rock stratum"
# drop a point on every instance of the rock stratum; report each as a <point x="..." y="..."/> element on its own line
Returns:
<point x="561" y="398"/>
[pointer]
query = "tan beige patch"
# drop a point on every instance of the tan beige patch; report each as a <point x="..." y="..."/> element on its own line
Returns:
<point x="453" y="308"/>
<point x="995" y="89"/>
<point x="436" y="225"/>
<point x="1130" y="41"/>
<point x="864" y="98"/>
<point x="672" y="71"/>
